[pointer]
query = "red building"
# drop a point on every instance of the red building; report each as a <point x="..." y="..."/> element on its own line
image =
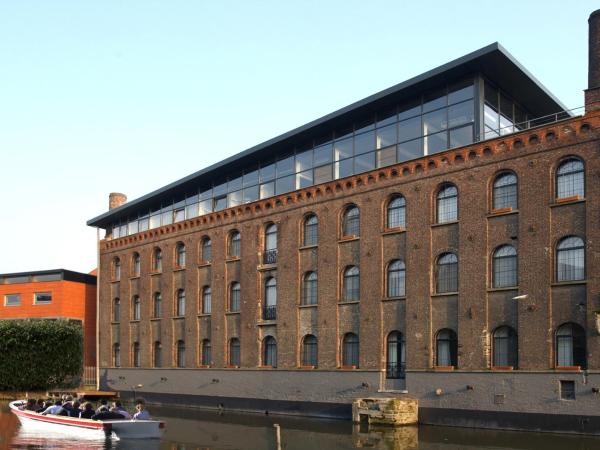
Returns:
<point x="52" y="294"/>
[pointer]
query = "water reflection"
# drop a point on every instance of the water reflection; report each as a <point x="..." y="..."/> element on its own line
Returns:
<point x="195" y="430"/>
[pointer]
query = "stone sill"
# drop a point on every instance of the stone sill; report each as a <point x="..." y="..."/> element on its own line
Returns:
<point x="266" y="267"/>
<point x="568" y="368"/>
<point x="135" y="321"/>
<point x="232" y="313"/>
<point x="392" y="231"/>
<point x="266" y="323"/>
<point x="452" y="222"/>
<point x="178" y="317"/>
<point x="444" y="294"/>
<point x="155" y="319"/>
<point x="353" y="302"/>
<point x="348" y="239"/>
<point x="567" y="201"/>
<point x="308" y="306"/>
<point x="135" y="277"/>
<point x="443" y="368"/>
<point x="503" y="289"/>
<point x="502" y="212"/>
<point x="393" y="299"/>
<point x="308" y="247"/>
<point x="115" y="281"/>
<point x="307" y="367"/>
<point x="204" y="263"/>
<point x="232" y="259"/>
<point x="502" y="368"/>
<point x="156" y="272"/>
<point x="204" y="315"/>
<point x="348" y="367"/>
<point x="178" y="269"/>
<point x="204" y="366"/>
<point x="568" y="283"/>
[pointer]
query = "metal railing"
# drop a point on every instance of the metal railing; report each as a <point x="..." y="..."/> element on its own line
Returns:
<point x="270" y="256"/>
<point x="270" y="312"/>
<point x="89" y="376"/>
<point x="395" y="370"/>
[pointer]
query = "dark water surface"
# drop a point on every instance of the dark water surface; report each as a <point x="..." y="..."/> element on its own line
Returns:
<point x="191" y="430"/>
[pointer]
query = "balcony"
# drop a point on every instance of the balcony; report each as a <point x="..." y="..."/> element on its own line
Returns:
<point x="395" y="370"/>
<point x="270" y="256"/>
<point x="270" y="312"/>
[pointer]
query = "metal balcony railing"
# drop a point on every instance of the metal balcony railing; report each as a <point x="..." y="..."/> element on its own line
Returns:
<point x="270" y="312"/>
<point x="270" y="256"/>
<point x="395" y="370"/>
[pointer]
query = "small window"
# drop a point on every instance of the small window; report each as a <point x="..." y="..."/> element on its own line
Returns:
<point x="136" y="307"/>
<point x="234" y="297"/>
<point x="570" y="179"/>
<point x="206" y="251"/>
<point x="351" y="284"/>
<point x="235" y="241"/>
<point x="157" y="260"/>
<point x="446" y="348"/>
<point x="180" y="354"/>
<point x="396" y="279"/>
<point x="396" y="213"/>
<point x="116" y="355"/>
<point x="311" y="230"/>
<point x="504" y="193"/>
<point x="351" y="222"/>
<point x="570" y="259"/>
<point x="234" y="352"/>
<point x="395" y="363"/>
<point x="157" y="354"/>
<point x="157" y="307"/>
<point x="504" y="267"/>
<point x="350" y="349"/>
<point x="206" y="358"/>
<point x="447" y="204"/>
<point x="571" y="346"/>
<point x="116" y="312"/>
<point x="180" y="255"/>
<point x="180" y="307"/>
<point x="270" y="255"/>
<point x="42" y="298"/>
<point x="12" y="299"/>
<point x="270" y="307"/>
<point x="136" y="265"/>
<point x="309" y="351"/>
<point x="567" y="390"/>
<point x="116" y="269"/>
<point x="505" y="347"/>
<point x="446" y="275"/>
<point x="270" y="351"/>
<point x="136" y="354"/>
<point x="309" y="289"/>
<point x="206" y="300"/>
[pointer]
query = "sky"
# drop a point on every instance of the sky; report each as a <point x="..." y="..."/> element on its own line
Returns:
<point x="127" y="96"/>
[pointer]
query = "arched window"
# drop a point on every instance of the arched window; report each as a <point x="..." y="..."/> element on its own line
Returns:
<point x="116" y="269"/>
<point x="504" y="267"/>
<point x="351" y="222"/>
<point x="136" y="308"/>
<point x="270" y="351"/>
<point x="396" y="212"/>
<point x="136" y="354"/>
<point x="446" y="348"/>
<point x="206" y="300"/>
<point x="157" y="260"/>
<point x="116" y="355"/>
<point x="136" y="265"/>
<point x="116" y="315"/>
<point x="157" y="307"/>
<point x="206" y="353"/>
<point x="180" y="354"/>
<point x="447" y="204"/>
<point x="309" y="288"/>
<point x="157" y="353"/>
<point x="396" y="358"/>
<point x="311" y="230"/>
<point x="570" y="259"/>
<point x="234" y="352"/>
<point x="446" y="275"/>
<point x="350" y="350"/>
<point x="235" y="247"/>
<point x="504" y="192"/>
<point x="571" y="346"/>
<point x="270" y="256"/>
<point x="310" y="351"/>
<point x="570" y="179"/>
<point x="180" y="303"/>
<point x="505" y="350"/>
<point x="180" y="254"/>
<point x="234" y="297"/>
<point x="351" y="284"/>
<point x="270" y="307"/>
<point x="396" y="279"/>
<point x="206" y="250"/>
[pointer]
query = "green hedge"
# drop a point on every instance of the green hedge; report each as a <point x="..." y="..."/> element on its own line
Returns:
<point x="39" y="354"/>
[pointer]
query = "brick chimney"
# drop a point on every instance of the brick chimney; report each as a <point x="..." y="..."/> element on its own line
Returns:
<point x="116" y="199"/>
<point x="592" y="93"/>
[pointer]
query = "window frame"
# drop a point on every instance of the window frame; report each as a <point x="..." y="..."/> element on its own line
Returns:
<point x="8" y="304"/>
<point x="234" y="245"/>
<point x="351" y="284"/>
<point x="350" y="357"/>
<point x="310" y="351"/>
<point x="269" y="352"/>
<point x="235" y="295"/>
<point x="310" y="288"/>
<point x="36" y="301"/>
<point x="558" y="252"/>
<point x="496" y="188"/>
<point x="350" y="222"/>
<point x="206" y="247"/>
<point x="313" y="231"/>
<point x="558" y="176"/>
<point x="206" y="356"/>
<point x="402" y="276"/>
<point x="441" y="197"/>
<point x="157" y="260"/>
<point x="437" y="273"/>
<point x="180" y="358"/>
<point x="180" y="301"/>
<point x="452" y="342"/>
<point x="512" y="347"/>
<point x="180" y="255"/>
<point x="391" y="208"/>
<point x="136" y="308"/>
<point x="495" y="272"/>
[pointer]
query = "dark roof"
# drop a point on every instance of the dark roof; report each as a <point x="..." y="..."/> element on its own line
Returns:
<point x="493" y="61"/>
<point x="65" y="275"/>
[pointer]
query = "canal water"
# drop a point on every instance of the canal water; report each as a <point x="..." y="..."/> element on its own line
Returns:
<point x="194" y="430"/>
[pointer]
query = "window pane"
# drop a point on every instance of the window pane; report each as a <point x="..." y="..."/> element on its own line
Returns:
<point x="343" y="149"/>
<point x="234" y="199"/>
<point x="219" y="190"/>
<point x="267" y="173"/>
<point x="191" y="210"/>
<point x="323" y="155"/>
<point x="410" y="150"/>
<point x="179" y="215"/>
<point x="434" y="100"/>
<point x="409" y="129"/>
<point x="267" y="190"/>
<point x="250" y="194"/>
<point x="434" y="121"/>
<point x="344" y="168"/>
<point x="304" y="161"/>
<point x="220" y="203"/>
<point x="386" y="136"/>
<point x="461" y="113"/>
<point x="386" y="156"/>
<point x="461" y="136"/>
<point x="304" y="179"/>
<point x="363" y="163"/>
<point x="205" y="207"/>
<point x="133" y="227"/>
<point x="460" y="92"/>
<point x="436" y="143"/>
<point x="250" y="178"/>
<point x="285" y="166"/>
<point x="285" y="184"/>
<point x="323" y="174"/>
<point x="491" y="95"/>
<point x="364" y="142"/>
<point x="234" y="185"/>
<point x="386" y="117"/>
<point x="490" y="117"/>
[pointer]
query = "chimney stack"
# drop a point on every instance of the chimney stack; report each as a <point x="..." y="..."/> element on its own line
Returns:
<point x="116" y="199"/>
<point x="592" y="93"/>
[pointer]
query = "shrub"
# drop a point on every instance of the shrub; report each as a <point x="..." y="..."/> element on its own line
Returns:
<point x="39" y="354"/>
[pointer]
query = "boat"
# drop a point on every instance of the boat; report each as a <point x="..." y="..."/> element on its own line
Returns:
<point x="88" y="428"/>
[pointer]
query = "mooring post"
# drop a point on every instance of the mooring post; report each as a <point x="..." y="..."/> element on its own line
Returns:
<point x="277" y="435"/>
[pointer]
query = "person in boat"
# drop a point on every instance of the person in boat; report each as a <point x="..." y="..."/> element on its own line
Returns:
<point x="118" y="406"/>
<point x="88" y="411"/>
<point x="31" y="405"/>
<point x="39" y="405"/>
<point x="142" y="413"/>
<point x="106" y="414"/>
<point x="54" y="409"/>
<point x="75" y="409"/>
<point x="67" y="406"/>
<point x="103" y="404"/>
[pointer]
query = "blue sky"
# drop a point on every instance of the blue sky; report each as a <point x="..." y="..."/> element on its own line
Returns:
<point x="130" y="95"/>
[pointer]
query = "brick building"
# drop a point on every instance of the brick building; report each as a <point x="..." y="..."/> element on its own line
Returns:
<point x="439" y="238"/>
<point x="53" y="294"/>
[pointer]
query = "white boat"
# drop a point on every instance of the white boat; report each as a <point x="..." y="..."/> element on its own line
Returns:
<point x="88" y="428"/>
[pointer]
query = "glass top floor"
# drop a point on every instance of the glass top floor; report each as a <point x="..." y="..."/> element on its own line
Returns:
<point x="453" y="115"/>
